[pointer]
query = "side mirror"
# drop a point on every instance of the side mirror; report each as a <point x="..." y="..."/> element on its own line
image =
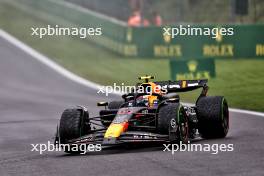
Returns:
<point x="172" y="100"/>
<point x="129" y="96"/>
<point x="102" y="103"/>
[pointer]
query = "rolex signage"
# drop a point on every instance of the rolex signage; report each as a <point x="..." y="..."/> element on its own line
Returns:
<point x="247" y="41"/>
<point x="192" y="69"/>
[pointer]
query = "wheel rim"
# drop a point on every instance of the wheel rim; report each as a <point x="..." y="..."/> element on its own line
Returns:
<point x="225" y="117"/>
<point x="183" y="126"/>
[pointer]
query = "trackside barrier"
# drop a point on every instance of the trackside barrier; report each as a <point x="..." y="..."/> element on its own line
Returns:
<point x="149" y="42"/>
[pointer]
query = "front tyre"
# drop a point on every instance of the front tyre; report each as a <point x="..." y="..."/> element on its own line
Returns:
<point x="73" y="124"/>
<point x="172" y="120"/>
<point x="213" y="117"/>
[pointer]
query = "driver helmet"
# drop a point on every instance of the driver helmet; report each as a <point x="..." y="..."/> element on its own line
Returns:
<point x="142" y="100"/>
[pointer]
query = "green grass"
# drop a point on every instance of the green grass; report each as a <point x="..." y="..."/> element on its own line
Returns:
<point x="240" y="81"/>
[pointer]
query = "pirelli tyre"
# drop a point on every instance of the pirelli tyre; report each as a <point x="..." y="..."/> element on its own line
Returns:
<point x="74" y="123"/>
<point x="172" y="117"/>
<point x="213" y="117"/>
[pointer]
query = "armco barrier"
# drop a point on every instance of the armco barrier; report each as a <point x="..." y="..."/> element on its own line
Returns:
<point x="247" y="41"/>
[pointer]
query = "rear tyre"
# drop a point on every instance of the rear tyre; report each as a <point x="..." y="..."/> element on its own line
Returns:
<point x="213" y="117"/>
<point x="108" y="115"/>
<point x="115" y="104"/>
<point x="172" y="117"/>
<point x="73" y="124"/>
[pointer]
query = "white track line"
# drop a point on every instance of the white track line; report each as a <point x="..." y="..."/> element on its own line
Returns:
<point x="45" y="60"/>
<point x="242" y="111"/>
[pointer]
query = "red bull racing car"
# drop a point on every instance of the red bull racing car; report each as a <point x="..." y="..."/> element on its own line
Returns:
<point x="153" y="115"/>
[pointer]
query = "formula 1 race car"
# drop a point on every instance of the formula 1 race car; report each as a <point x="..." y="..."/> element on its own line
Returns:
<point x="148" y="116"/>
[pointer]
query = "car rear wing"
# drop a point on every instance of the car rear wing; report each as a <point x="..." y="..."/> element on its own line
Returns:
<point x="182" y="85"/>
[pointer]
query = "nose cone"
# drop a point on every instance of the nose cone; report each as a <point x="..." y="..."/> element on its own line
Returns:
<point x="115" y="130"/>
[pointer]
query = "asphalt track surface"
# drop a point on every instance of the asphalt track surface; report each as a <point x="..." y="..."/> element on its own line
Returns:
<point x="32" y="97"/>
